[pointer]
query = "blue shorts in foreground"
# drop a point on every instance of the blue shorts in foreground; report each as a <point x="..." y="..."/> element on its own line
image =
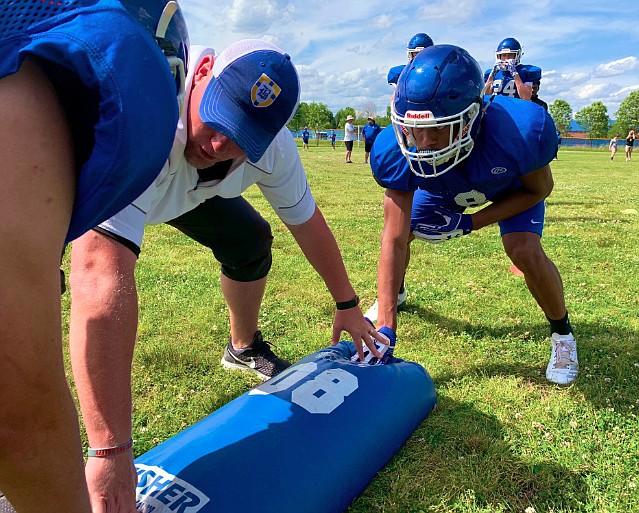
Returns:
<point x="117" y="90"/>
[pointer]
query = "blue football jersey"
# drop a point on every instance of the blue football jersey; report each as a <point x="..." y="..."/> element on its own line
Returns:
<point x="513" y="138"/>
<point x="87" y="49"/>
<point x="504" y="82"/>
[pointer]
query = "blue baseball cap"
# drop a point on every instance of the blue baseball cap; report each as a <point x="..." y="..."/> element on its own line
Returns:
<point x="252" y="95"/>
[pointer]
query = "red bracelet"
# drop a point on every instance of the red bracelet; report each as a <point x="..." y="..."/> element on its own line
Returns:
<point x="109" y="451"/>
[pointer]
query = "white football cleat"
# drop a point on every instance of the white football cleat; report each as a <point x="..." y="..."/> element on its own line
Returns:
<point x="563" y="366"/>
<point x="372" y="313"/>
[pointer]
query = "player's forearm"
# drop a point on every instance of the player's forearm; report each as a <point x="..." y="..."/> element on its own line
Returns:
<point x="392" y="260"/>
<point x="488" y="86"/>
<point x="320" y="248"/>
<point x="102" y="334"/>
<point x="390" y="273"/>
<point x="506" y="208"/>
<point x="523" y="90"/>
<point x="102" y="373"/>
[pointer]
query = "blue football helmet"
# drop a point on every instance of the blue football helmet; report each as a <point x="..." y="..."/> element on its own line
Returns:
<point x="440" y="88"/>
<point x="164" y="20"/>
<point x="417" y="43"/>
<point x="509" y="45"/>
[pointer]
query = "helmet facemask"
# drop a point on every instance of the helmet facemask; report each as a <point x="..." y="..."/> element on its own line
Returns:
<point x="433" y="163"/>
<point x="499" y="53"/>
<point x="412" y="52"/>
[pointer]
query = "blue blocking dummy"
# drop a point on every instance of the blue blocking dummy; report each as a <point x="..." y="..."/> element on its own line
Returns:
<point x="308" y="440"/>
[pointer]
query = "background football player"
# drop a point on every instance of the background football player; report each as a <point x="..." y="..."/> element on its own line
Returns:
<point x="508" y="76"/>
<point x="448" y="149"/>
<point x="415" y="45"/>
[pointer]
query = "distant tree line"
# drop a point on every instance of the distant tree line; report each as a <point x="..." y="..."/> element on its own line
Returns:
<point x="595" y="120"/>
<point x="317" y="116"/>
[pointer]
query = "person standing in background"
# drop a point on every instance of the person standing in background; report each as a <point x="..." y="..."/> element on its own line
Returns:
<point x="305" y="136"/>
<point x="370" y="133"/>
<point x="630" y="142"/>
<point x="613" y="147"/>
<point x="535" y="98"/>
<point x="333" y="139"/>
<point x="350" y="135"/>
<point x="558" y="144"/>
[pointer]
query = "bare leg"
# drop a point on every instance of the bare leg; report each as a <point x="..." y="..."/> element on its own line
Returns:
<point x="40" y="450"/>
<point x="541" y="274"/>
<point x="244" y="300"/>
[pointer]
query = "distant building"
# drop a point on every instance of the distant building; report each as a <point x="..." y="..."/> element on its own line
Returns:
<point x="576" y="131"/>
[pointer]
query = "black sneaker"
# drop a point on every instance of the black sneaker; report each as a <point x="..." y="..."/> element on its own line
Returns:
<point x="258" y="358"/>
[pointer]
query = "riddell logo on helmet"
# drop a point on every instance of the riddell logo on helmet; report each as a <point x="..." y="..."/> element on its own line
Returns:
<point x="418" y="114"/>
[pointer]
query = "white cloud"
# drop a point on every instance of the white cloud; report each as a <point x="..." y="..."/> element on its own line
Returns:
<point x="454" y="12"/>
<point x="250" y="16"/>
<point x="625" y="91"/>
<point x="590" y="90"/>
<point x="384" y="21"/>
<point x="575" y="76"/>
<point x="618" y="67"/>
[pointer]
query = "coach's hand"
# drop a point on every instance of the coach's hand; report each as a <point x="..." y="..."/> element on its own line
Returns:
<point x="359" y="328"/>
<point x="112" y="481"/>
<point x="453" y="224"/>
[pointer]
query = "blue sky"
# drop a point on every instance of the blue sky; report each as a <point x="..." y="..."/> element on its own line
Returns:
<point x="587" y="50"/>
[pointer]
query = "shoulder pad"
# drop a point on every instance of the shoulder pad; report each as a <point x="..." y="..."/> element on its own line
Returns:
<point x="532" y="73"/>
<point x="394" y="73"/>
<point x="389" y="165"/>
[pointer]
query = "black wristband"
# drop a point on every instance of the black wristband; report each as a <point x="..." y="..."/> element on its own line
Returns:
<point x="345" y="305"/>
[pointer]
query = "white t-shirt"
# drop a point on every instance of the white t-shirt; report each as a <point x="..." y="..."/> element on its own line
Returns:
<point x="279" y="175"/>
<point x="350" y="134"/>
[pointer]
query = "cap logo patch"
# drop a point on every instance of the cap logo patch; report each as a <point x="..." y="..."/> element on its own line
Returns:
<point x="264" y="91"/>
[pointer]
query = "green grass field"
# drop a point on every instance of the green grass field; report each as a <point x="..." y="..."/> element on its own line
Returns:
<point x="501" y="438"/>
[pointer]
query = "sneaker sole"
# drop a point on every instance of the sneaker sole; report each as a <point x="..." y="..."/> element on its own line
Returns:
<point x="565" y="380"/>
<point x="237" y="366"/>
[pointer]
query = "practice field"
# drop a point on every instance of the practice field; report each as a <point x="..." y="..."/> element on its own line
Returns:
<point x="501" y="438"/>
